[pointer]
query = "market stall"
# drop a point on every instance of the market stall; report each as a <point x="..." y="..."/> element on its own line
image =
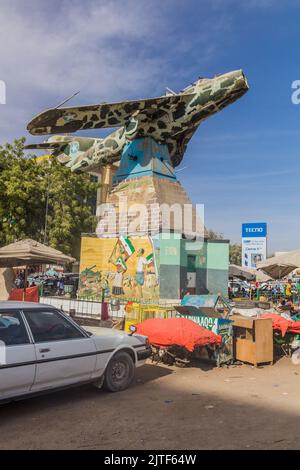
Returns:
<point x="29" y="252"/>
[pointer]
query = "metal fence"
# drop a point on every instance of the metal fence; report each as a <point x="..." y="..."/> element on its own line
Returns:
<point x="269" y="296"/>
<point x="82" y="308"/>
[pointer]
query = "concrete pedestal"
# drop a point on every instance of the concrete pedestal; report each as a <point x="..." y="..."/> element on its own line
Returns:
<point x="144" y="249"/>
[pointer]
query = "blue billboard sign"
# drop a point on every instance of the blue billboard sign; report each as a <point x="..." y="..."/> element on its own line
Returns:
<point x="254" y="243"/>
<point x="255" y="229"/>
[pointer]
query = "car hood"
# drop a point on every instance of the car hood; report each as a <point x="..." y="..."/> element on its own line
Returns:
<point x="116" y="336"/>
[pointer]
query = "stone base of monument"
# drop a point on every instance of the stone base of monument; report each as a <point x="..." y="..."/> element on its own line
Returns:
<point x="149" y="204"/>
<point x="146" y="197"/>
<point x="150" y="243"/>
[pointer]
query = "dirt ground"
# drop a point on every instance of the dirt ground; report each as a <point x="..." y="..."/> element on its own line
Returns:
<point x="166" y="408"/>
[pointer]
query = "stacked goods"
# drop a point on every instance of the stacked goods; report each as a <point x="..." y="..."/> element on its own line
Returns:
<point x="177" y="332"/>
<point x="282" y="324"/>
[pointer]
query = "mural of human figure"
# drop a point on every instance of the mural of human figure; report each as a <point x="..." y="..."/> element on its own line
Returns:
<point x="122" y="250"/>
<point x="151" y="279"/>
<point x="140" y="271"/>
<point x="117" y="288"/>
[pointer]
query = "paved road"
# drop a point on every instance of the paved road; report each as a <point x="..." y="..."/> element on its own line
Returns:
<point x="165" y="408"/>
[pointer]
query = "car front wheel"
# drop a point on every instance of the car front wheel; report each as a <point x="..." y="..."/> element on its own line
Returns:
<point x="119" y="372"/>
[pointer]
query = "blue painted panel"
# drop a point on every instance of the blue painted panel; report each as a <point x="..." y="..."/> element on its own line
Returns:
<point x="257" y="229"/>
<point x="200" y="300"/>
<point x="143" y="157"/>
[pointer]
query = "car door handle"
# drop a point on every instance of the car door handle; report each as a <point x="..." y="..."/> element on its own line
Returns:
<point x="45" y="350"/>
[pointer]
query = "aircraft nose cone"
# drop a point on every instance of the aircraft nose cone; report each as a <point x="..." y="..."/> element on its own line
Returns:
<point x="230" y="87"/>
<point x="235" y="79"/>
<point x="238" y="81"/>
<point x="241" y="80"/>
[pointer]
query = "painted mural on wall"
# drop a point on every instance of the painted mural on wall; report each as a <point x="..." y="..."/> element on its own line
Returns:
<point x="124" y="268"/>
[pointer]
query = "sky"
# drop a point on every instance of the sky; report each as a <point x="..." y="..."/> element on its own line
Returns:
<point x="243" y="164"/>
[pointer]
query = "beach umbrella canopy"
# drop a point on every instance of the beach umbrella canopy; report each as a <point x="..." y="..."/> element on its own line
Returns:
<point x="261" y="276"/>
<point x="29" y="252"/>
<point x="278" y="270"/>
<point x="241" y="272"/>
<point x="281" y="265"/>
<point x="248" y="274"/>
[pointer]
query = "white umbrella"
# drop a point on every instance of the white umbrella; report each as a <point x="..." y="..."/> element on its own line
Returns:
<point x="240" y="272"/>
<point x="282" y="265"/>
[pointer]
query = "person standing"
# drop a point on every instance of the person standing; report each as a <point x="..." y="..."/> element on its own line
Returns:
<point x="61" y="286"/>
<point x="117" y="288"/>
<point x="257" y="285"/>
<point x="288" y="290"/>
<point x="140" y="271"/>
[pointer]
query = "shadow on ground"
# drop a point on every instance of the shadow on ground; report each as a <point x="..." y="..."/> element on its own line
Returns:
<point x="76" y="394"/>
<point x="164" y="409"/>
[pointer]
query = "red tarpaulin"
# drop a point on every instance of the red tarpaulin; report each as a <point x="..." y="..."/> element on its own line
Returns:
<point x="177" y="331"/>
<point x="282" y="324"/>
<point x="32" y="294"/>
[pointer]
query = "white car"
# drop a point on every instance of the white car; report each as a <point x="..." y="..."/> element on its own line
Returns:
<point x="42" y="349"/>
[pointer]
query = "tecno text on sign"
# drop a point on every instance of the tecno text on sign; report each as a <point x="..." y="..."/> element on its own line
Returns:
<point x="258" y="229"/>
<point x="254" y="229"/>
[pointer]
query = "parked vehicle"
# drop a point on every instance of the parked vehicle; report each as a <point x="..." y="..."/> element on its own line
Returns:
<point x="71" y="282"/>
<point x="42" y="349"/>
<point x="238" y="287"/>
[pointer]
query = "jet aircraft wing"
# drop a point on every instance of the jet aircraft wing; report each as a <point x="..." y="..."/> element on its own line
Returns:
<point x="46" y="146"/>
<point x="72" y="119"/>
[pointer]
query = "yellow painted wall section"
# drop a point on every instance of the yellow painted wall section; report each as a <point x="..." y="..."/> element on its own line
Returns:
<point x="125" y="268"/>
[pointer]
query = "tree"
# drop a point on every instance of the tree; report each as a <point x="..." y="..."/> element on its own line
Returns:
<point x="235" y="250"/>
<point x="212" y="235"/>
<point x="28" y="185"/>
<point x="235" y="254"/>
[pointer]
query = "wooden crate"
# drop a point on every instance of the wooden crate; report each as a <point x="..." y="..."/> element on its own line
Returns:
<point x="252" y="340"/>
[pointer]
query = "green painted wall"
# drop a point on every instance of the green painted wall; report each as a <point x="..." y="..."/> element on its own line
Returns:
<point x="217" y="255"/>
<point x="211" y="266"/>
<point x="170" y="250"/>
<point x="170" y="260"/>
<point x="169" y="285"/>
<point x="217" y="267"/>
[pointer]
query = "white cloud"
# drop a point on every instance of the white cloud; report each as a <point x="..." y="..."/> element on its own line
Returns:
<point x="98" y="47"/>
<point x="83" y="45"/>
<point x="107" y="49"/>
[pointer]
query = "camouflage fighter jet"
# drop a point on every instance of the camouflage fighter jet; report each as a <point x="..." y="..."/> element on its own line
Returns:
<point x="170" y="120"/>
<point x="66" y="148"/>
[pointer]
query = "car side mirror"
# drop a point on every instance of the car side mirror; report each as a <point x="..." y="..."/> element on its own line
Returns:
<point x="132" y="329"/>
